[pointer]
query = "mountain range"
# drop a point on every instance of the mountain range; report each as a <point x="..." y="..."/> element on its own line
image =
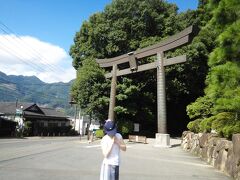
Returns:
<point x="31" y="89"/>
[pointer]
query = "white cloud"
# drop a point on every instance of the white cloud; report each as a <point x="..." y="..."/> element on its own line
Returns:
<point x="29" y="56"/>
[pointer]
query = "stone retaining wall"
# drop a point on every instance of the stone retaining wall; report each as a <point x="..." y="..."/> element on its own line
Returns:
<point x="219" y="152"/>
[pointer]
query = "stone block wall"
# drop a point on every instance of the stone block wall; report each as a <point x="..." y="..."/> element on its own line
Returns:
<point x="219" y="152"/>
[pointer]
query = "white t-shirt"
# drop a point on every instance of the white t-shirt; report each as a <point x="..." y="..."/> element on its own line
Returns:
<point x="91" y="127"/>
<point x="114" y="156"/>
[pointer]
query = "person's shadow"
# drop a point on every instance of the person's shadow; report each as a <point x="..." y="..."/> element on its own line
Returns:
<point x="175" y="145"/>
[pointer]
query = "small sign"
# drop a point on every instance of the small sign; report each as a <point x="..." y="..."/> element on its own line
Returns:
<point x="136" y="127"/>
<point x="19" y="111"/>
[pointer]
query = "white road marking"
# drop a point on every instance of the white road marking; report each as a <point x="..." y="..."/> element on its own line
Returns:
<point x="96" y="146"/>
<point x="93" y="146"/>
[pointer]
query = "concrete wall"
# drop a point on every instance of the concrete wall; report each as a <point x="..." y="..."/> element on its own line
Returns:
<point x="219" y="152"/>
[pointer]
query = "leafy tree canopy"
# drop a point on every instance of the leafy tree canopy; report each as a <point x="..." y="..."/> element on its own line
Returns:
<point x="125" y="26"/>
<point x="223" y="80"/>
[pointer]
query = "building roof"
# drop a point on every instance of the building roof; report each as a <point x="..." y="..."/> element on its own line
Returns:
<point x="9" y="108"/>
<point x="29" y="109"/>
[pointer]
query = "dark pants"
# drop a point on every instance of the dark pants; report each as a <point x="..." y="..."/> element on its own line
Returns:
<point x="114" y="172"/>
<point x="109" y="172"/>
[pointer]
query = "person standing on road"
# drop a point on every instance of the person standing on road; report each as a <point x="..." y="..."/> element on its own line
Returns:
<point x="91" y="127"/>
<point x="111" y="145"/>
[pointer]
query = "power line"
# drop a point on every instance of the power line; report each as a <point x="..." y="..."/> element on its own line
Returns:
<point x="18" y="41"/>
<point x="20" y="58"/>
<point x="33" y="65"/>
<point x="36" y="55"/>
<point x="33" y="50"/>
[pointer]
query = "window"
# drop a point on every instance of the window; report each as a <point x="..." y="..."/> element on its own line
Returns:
<point x="52" y="124"/>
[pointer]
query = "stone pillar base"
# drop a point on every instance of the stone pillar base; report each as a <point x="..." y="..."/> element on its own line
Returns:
<point x="162" y="140"/>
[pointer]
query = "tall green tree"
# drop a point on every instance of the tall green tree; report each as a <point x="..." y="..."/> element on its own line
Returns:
<point x="127" y="25"/>
<point x="89" y="89"/>
<point x="223" y="79"/>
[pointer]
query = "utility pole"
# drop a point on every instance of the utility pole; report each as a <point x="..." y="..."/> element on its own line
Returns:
<point x="79" y="123"/>
<point x="71" y="102"/>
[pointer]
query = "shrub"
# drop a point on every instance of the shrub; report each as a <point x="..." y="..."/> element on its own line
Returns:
<point x="125" y="127"/>
<point x="225" y="124"/>
<point x="206" y="124"/>
<point x="201" y="108"/>
<point x="231" y="129"/>
<point x="27" y="128"/>
<point x="99" y="133"/>
<point x="194" y="125"/>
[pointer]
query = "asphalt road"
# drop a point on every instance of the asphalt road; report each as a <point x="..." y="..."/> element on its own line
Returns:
<point x="68" y="158"/>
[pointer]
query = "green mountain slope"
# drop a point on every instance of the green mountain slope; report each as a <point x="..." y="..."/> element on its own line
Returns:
<point x="31" y="89"/>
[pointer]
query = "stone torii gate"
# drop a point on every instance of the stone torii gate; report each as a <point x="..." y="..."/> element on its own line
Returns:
<point x="182" y="38"/>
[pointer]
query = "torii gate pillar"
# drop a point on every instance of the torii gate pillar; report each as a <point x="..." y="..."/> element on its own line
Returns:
<point x="113" y="93"/>
<point x="162" y="139"/>
<point x="161" y="95"/>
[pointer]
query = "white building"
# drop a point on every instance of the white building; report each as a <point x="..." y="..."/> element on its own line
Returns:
<point x="81" y="125"/>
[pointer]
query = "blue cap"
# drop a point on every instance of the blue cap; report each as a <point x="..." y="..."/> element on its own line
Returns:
<point x="110" y="128"/>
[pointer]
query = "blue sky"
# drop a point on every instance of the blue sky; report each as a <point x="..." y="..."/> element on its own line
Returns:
<point x="48" y="27"/>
